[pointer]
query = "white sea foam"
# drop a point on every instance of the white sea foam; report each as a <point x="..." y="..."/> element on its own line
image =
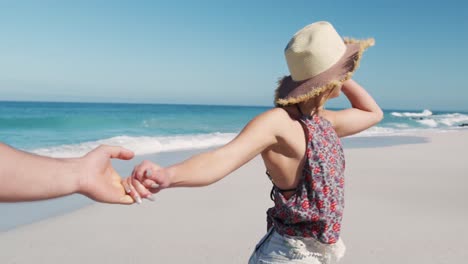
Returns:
<point x="453" y="119"/>
<point x="398" y="125"/>
<point x="427" y="119"/>
<point x="141" y="145"/>
<point x="424" y="113"/>
<point x="428" y="122"/>
<point x="402" y="125"/>
<point x="379" y="131"/>
<point x="407" y="131"/>
<point x="147" y="145"/>
<point x="447" y="120"/>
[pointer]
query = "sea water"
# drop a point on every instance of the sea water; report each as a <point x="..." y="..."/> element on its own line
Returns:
<point x="72" y="129"/>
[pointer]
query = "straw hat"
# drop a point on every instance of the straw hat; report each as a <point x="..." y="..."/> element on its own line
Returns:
<point x="318" y="59"/>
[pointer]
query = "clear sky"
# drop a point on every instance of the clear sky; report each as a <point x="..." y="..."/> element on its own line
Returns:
<point x="224" y="52"/>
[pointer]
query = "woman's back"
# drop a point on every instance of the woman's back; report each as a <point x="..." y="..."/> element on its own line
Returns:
<point x="285" y="160"/>
<point x="313" y="202"/>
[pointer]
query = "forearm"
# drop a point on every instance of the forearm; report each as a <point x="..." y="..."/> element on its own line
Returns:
<point x="200" y="170"/>
<point x="210" y="167"/>
<point x="360" y="99"/>
<point x="25" y="176"/>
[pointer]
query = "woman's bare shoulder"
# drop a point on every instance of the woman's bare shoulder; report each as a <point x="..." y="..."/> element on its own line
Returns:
<point x="277" y="115"/>
<point x="275" y="119"/>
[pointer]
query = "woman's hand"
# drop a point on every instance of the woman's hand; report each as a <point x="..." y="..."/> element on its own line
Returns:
<point x="147" y="179"/>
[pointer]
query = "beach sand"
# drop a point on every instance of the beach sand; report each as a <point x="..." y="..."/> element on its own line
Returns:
<point x="404" y="204"/>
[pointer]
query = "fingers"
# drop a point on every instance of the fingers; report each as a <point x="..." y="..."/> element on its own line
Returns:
<point x="144" y="169"/>
<point x="139" y="175"/>
<point x="159" y="177"/>
<point x="116" y="152"/>
<point x="137" y="190"/>
<point x="130" y="190"/>
<point x="126" y="199"/>
<point x="139" y="185"/>
<point x="150" y="184"/>
<point x="142" y="191"/>
<point x="126" y="186"/>
<point x="141" y="172"/>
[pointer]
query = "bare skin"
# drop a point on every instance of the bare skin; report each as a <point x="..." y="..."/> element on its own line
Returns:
<point x="275" y="134"/>
<point x="27" y="177"/>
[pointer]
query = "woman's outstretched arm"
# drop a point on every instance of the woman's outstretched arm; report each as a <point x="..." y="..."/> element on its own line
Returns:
<point x="209" y="167"/>
<point x="363" y="114"/>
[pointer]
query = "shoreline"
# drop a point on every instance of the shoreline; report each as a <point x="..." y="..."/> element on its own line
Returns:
<point x="403" y="202"/>
<point x="27" y="213"/>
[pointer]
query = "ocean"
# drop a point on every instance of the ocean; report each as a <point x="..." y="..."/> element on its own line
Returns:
<point x="176" y="131"/>
<point x="72" y="129"/>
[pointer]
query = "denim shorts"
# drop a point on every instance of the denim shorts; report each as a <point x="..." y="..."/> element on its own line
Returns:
<point x="275" y="248"/>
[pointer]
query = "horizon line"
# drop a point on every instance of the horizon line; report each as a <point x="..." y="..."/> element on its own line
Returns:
<point x="204" y="104"/>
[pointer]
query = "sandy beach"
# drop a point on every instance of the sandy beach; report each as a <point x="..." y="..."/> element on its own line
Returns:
<point x="404" y="204"/>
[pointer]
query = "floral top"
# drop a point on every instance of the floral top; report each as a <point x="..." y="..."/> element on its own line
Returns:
<point x="316" y="208"/>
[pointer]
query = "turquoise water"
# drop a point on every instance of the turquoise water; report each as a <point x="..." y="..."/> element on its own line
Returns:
<point x="33" y="126"/>
<point x="72" y="129"/>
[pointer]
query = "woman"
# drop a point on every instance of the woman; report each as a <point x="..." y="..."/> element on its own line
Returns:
<point x="299" y="143"/>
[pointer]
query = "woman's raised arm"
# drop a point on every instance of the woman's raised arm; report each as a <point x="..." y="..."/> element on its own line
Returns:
<point x="364" y="112"/>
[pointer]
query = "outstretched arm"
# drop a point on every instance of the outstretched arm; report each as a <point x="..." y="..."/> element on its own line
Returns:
<point x="26" y="177"/>
<point x="209" y="167"/>
<point x="363" y="114"/>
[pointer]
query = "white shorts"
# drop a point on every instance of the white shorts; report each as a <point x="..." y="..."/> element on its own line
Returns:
<point x="275" y="248"/>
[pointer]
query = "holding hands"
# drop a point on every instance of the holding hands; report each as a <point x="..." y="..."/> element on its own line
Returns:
<point x="147" y="179"/>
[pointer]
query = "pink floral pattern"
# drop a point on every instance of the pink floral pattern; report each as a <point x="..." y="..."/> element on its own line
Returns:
<point x="316" y="208"/>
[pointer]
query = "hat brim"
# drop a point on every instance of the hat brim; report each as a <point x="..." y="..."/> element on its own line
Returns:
<point x="292" y="92"/>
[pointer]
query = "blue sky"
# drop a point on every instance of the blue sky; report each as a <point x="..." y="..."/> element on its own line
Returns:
<point x="224" y="52"/>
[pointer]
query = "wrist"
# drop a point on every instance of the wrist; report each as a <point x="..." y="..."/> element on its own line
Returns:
<point x="63" y="177"/>
<point x="76" y="174"/>
<point x="170" y="176"/>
